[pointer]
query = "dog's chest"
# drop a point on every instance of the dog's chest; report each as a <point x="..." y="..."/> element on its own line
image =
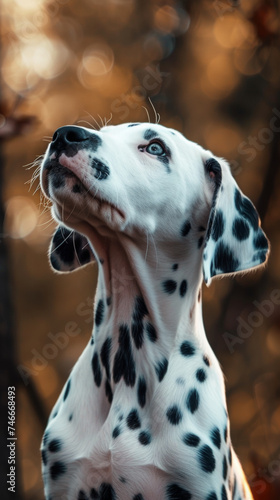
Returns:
<point x="150" y="436"/>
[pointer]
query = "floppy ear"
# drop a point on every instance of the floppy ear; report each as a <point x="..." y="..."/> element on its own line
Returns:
<point x="234" y="239"/>
<point x="69" y="250"/>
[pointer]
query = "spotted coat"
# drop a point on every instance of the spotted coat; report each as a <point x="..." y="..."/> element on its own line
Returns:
<point x="143" y="414"/>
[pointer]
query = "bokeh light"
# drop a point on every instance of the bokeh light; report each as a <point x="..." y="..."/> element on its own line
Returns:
<point x="211" y="71"/>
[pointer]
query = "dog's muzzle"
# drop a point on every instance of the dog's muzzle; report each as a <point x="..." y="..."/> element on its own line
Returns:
<point x="70" y="139"/>
<point x="70" y="154"/>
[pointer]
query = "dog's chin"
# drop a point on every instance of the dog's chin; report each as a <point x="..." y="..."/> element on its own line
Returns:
<point x="73" y="210"/>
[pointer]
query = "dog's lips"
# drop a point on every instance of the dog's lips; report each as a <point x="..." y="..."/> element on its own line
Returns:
<point x="78" y="165"/>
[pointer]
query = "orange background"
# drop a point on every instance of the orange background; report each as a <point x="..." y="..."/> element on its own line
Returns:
<point x="211" y="70"/>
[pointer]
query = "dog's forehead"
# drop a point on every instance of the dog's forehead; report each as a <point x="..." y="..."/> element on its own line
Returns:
<point x="144" y="131"/>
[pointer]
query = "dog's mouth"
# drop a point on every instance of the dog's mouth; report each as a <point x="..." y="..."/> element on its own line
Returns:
<point x="67" y="183"/>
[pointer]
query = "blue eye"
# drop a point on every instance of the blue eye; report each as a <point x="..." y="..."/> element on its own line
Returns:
<point x="154" y="148"/>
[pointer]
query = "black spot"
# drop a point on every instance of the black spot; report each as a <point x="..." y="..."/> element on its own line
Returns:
<point x="44" y="457"/>
<point x="185" y="229"/>
<point x="161" y="369"/>
<point x="192" y="400"/>
<point x="144" y="438"/>
<point x="165" y="159"/>
<point x="215" y="437"/>
<point x="137" y="331"/>
<point x="224" y="493"/>
<point x="141" y="391"/>
<point x="55" y="445"/>
<point x="100" y="170"/>
<point x="105" y="355"/>
<point x="206" y="458"/>
<point x="234" y="486"/>
<point x="124" y="365"/>
<point x="140" y="309"/>
<point x="230" y="456"/>
<point x="99" y="313"/>
<point x="206" y="360"/>
<point x="57" y="469"/>
<point x="175" y="492"/>
<point x="212" y="496"/>
<point x="109" y="301"/>
<point x="199" y="296"/>
<point x="108" y="391"/>
<point x="224" y="259"/>
<point x="225" y="433"/>
<point x="183" y="288"/>
<point x="63" y="245"/>
<point x="46" y="437"/>
<point x="137" y="328"/>
<point x="150" y="134"/>
<point x="180" y="381"/>
<point x="200" y="375"/>
<point x="67" y="389"/>
<point x="225" y="467"/>
<point x="122" y="480"/>
<point x="260" y="257"/>
<point x="116" y="432"/>
<point x="240" y="229"/>
<point x="84" y="256"/>
<point x="260" y="241"/>
<point x="92" y="340"/>
<point x="191" y="439"/>
<point x="82" y="495"/>
<point x="106" y="492"/>
<point x="169" y="286"/>
<point x="70" y="417"/>
<point x="54" y="262"/>
<point x="81" y="249"/>
<point x="58" y="178"/>
<point x="212" y="165"/>
<point x="200" y="241"/>
<point x="133" y="420"/>
<point x="97" y="374"/>
<point x="133" y="125"/>
<point x="151" y="331"/>
<point x="94" y="494"/>
<point x="138" y="497"/>
<point x="175" y="267"/>
<point x="187" y="349"/>
<point x="77" y="188"/>
<point x="218" y="225"/>
<point x="246" y="208"/>
<point x="174" y="415"/>
<point x="201" y="228"/>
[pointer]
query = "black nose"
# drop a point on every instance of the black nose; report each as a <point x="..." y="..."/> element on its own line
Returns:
<point x="69" y="135"/>
<point x="71" y="139"/>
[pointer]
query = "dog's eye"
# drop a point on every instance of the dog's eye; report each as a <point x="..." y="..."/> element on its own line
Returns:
<point x="155" y="148"/>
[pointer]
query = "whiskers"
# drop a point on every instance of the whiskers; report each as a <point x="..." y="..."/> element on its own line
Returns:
<point x="36" y="165"/>
<point x="156" y="114"/>
<point x="103" y="122"/>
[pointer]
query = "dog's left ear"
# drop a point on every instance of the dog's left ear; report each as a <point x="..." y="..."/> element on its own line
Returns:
<point x="69" y="250"/>
<point x="234" y="239"/>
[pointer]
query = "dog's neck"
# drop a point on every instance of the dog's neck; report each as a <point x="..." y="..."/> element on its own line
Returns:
<point x="154" y="293"/>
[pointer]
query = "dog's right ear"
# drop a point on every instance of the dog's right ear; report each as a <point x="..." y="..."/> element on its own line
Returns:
<point x="69" y="250"/>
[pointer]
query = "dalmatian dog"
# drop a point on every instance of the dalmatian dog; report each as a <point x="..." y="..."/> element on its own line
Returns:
<point x="143" y="413"/>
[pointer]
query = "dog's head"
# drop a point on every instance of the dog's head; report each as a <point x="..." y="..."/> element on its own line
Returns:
<point x="145" y="179"/>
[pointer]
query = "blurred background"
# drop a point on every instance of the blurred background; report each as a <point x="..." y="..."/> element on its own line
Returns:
<point x="211" y="69"/>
